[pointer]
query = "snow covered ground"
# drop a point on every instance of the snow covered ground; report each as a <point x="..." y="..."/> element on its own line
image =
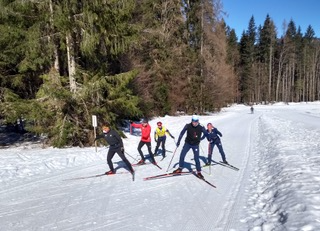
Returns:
<point x="277" y="150"/>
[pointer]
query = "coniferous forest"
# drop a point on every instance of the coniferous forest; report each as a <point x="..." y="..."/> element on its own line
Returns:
<point x="62" y="61"/>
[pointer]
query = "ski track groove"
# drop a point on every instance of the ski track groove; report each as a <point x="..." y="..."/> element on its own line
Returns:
<point x="44" y="178"/>
<point x="228" y="219"/>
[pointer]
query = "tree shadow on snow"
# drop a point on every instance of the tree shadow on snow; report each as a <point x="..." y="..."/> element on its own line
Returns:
<point x="11" y="135"/>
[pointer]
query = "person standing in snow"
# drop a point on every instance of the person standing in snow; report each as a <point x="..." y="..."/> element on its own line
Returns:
<point x="214" y="139"/>
<point x="251" y="109"/>
<point x="192" y="141"/>
<point x="145" y="140"/>
<point x="160" y="138"/>
<point x="115" y="146"/>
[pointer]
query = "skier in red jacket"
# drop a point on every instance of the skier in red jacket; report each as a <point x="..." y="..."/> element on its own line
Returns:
<point x="145" y="139"/>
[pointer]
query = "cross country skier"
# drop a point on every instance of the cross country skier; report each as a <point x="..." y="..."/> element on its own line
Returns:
<point x="160" y="137"/>
<point x="145" y="140"/>
<point x="214" y="139"/>
<point x="115" y="146"/>
<point x="193" y="138"/>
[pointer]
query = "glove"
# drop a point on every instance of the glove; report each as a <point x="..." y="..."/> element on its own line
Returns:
<point x="122" y="149"/>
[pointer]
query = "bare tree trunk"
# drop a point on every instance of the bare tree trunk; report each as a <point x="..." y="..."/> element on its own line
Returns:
<point x="55" y="48"/>
<point x="280" y="66"/>
<point x="317" y="76"/>
<point x="270" y="73"/>
<point x="201" y="55"/>
<point x="71" y="63"/>
<point x="258" y="84"/>
<point x="314" y="73"/>
<point x="304" y="76"/>
<point x="291" y="84"/>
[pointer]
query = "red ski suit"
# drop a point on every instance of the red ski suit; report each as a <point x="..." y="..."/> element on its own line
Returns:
<point x="145" y="132"/>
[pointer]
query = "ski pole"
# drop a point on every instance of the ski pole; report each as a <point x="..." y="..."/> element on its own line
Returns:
<point x="134" y="160"/>
<point x="172" y="158"/>
<point x="174" y="143"/>
<point x="107" y="147"/>
<point x="210" y="163"/>
<point x="130" y="156"/>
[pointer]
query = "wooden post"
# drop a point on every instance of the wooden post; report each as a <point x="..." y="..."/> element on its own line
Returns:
<point x="94" y="124"/>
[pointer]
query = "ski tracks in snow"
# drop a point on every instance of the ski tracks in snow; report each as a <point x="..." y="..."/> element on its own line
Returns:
<point x="281" y="167"/>
<point x="276" y="187"/>
<point x="241" y="147"/>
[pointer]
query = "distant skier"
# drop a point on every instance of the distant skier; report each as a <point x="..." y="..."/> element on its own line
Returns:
<point x="160" y="138"/>
<point x="115" y="146"/>
<point x="214" y="139"/>
<point x="251" y="109"/>
<point x="193" y="138"/>
<point x="145" y="140"/>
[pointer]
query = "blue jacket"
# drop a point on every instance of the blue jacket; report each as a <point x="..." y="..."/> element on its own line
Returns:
<point x="213" y="136"/>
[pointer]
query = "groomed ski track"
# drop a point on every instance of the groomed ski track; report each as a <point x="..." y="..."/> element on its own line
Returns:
<point x="57" y="201"/>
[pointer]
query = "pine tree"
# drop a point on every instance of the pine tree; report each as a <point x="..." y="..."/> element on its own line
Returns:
<point x="266" y="48"/>
<point x="311" y="70"/>
<point x="66" y="114"/>
<point x="218" y="76"/>
<point x="233" y="57"/>
<point x="247" y="59"/>
<point x="160" y="56"/>
<point x="24" y="50"/>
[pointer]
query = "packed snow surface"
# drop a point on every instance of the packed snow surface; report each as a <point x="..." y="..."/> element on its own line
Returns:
<point x="277" y="150"/>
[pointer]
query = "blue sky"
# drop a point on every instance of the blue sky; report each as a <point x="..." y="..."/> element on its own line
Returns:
<point x="303" y="13"/>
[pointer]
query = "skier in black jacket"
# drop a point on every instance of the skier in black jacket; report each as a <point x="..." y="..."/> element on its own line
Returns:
<point x="193" y="138"/>
<point x="116" y="146"/>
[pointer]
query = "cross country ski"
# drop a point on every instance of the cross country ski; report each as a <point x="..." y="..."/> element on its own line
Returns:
<point x="137" y="164"/>
<point x="99" y="175"/>
<point x="203" y="179"/>
<point x="166" y="175"/>
<point x="229" y="166"/>
<point x="223" y="164"/>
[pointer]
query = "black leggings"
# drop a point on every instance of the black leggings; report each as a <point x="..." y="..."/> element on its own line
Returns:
<point x="110" y="155"/>
<point x="141" y="143"/>
<point x="161" y="140"/>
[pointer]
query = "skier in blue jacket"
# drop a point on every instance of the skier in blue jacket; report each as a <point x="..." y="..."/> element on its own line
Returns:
<point x="214" y="139"/>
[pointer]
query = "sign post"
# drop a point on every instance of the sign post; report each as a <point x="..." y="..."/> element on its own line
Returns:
<point x="94" y="124"/>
